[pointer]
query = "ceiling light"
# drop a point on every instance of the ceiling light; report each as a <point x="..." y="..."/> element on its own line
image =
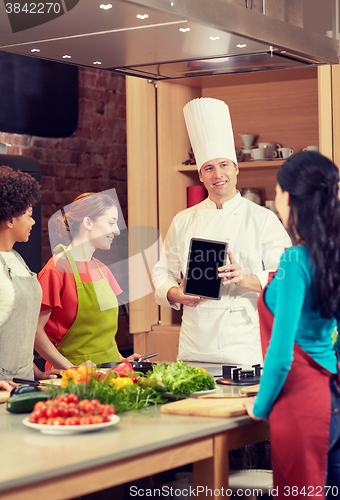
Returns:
<point x="183" y="30"/>
<point x="142" y="16"/>
<point x="105" y="7"/>
<point x="214" y="38"/>
<point x="241" y="45"/>
<point x="66" y="57"/>
<point x="35" y="50"/>
<point x="97" y="62"/>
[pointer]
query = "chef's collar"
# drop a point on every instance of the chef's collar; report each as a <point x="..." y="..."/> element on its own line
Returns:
<point x="227" y="205"/>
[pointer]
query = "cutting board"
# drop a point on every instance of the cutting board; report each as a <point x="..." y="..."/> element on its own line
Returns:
<point x="250" y="388"/>
<point x="206" y="407"/>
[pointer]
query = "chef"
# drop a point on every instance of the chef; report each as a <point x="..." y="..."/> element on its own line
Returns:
<point x="225" y="330"/>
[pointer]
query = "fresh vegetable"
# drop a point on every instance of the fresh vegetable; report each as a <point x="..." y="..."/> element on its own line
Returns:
<point x="158" y="385"/>
<point x="121" y="392"/>
<point x="124" y="368"/>
<point x="66" y="410"/>
<point x="182" y="379"/>
<point x="24" y="403"/>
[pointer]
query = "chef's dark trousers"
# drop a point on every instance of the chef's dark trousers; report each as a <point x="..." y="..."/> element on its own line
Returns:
<point x="333" y="473"/>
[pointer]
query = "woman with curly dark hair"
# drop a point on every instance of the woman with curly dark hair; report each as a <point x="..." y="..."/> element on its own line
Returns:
<point x="20" y="293"/>
<point x="299" y="310"/>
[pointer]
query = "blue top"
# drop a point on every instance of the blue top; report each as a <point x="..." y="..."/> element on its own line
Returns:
<point x="289" y="299"/>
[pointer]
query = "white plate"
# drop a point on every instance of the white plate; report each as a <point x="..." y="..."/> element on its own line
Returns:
<point x="70" y="429"/>
<point x="202" y="393"/>
<point x="192" y="395"/>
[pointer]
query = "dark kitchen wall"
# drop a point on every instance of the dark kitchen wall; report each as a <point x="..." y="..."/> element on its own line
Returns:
<point x="93" y="158"/>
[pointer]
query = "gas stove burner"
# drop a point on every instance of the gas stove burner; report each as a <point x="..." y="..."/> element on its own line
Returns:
<point x="232" y="375"/>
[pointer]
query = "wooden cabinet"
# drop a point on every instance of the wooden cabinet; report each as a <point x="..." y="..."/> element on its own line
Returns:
<point x="294" y="108"/>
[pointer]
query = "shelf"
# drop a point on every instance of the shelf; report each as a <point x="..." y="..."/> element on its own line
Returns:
<point x="243" y="165"/>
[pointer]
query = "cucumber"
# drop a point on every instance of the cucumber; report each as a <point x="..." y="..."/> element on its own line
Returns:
<point x="24" y="403"/>
<point x="154" y="384"/>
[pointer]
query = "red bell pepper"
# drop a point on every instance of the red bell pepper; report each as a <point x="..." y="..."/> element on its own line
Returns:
<point x="124" y="368"/>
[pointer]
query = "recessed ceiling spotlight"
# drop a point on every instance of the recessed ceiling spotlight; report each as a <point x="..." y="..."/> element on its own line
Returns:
<point x="172" y="4"/>
<point x="66" y="57"/>
<point x="184" y="30"/>
<point x="97" y="62"/>
<point x="35" y="50"/>
<point x="142" y="16"/>
<point x="241" y="45"/>
<point x="283" y="51"/>
<point x="213" y="38"/>
<point x="105" y="7"/>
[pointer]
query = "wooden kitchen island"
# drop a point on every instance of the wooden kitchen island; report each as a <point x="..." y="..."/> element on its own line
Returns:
<point x="36" y="466"/>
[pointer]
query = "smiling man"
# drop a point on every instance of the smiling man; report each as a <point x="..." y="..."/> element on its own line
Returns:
<point x="225" y="330"/>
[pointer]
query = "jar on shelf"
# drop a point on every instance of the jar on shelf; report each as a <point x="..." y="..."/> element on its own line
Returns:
<point x="252" y="194"/>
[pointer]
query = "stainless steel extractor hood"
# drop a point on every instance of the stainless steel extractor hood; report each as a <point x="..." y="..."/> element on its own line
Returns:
<point x="162" y="39"/>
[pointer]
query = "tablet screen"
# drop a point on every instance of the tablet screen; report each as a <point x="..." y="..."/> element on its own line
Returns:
<point x="204" y="259"/>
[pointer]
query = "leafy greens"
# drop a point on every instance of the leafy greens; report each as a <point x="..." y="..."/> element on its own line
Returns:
<point x="182" y="379"/>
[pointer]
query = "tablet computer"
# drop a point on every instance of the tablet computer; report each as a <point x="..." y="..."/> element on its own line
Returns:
<point x="204" y="259"/>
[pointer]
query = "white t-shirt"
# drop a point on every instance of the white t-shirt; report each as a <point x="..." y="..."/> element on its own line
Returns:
<point x="6" y="285"/>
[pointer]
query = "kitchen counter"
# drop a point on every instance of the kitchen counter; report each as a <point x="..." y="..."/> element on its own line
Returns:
<point x="144" y="442"/>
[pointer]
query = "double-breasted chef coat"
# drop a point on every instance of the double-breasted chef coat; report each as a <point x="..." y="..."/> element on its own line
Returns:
<point x="225" y="330"/>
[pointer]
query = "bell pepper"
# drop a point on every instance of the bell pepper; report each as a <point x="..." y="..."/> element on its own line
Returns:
<point x="124" y="368"/>
<point x="120" y="382"/>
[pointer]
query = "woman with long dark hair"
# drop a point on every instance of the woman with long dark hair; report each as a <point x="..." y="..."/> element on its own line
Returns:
<point x="299" y="310"/>
<point x="79" y="312"/>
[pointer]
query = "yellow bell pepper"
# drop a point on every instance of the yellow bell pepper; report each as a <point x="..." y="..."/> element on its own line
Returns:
<point x="120" y="382"/>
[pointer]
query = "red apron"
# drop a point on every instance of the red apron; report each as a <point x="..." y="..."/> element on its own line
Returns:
<point x="299" y="422"/>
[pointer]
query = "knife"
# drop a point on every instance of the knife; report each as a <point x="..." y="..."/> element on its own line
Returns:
<point x="29" y="382"/>
<point x="148" y="356"/>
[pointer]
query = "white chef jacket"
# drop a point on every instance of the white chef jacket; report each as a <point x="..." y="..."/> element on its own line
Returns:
<point x="225" y="330"/>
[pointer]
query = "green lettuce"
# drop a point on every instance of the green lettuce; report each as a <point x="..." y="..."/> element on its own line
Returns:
<point x="182" y="379"/>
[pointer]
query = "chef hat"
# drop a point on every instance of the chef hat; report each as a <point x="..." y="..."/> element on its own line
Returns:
<point x="209" y="127"/>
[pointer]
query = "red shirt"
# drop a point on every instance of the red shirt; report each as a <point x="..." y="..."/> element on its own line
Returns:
<point x="60" y="292"/>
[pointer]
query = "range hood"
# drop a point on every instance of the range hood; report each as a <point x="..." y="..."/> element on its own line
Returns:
<point x="163" y="39"/>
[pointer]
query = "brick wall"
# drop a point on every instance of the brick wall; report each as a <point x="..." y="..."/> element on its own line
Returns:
<point x="92" y="159"/>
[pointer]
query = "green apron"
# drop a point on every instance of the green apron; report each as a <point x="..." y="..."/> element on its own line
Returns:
<point x="92" y="335"/>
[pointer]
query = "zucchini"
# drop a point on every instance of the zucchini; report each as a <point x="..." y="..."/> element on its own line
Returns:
<point x="24" y="403"/>
<point x="154" y="384"/>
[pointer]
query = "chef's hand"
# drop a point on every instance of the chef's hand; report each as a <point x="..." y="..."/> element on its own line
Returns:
<point x="134" y="357"/>
<point x="248" y="403"/>
<point x="234" y="274"/>
<point x="176" y="294"/>
<point x="7" y="385"/>
<point x="89" y="363"/>
<point x="53" y="373"/>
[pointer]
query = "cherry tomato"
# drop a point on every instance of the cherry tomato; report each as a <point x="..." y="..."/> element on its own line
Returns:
<point x="72" y="421"/>
<point x="62" y="398"/>
<point x="42" y="421"/>
<point x="72" y="398"/>
<point x="83" y="403"/>
<point x="95" y="403"/>
<point x="86" y="420"/>
<point x="40" y="404"/>
<point x="62" y="410"/>
<point x="51" y="412"/>
<point x="134" y="380"/>
<point x="97" y="419"/>
<point x="38" y="413"/>
<point x="73" y="411"/>
<point x="50" y="421"/>
<point x="59" y="421"/>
